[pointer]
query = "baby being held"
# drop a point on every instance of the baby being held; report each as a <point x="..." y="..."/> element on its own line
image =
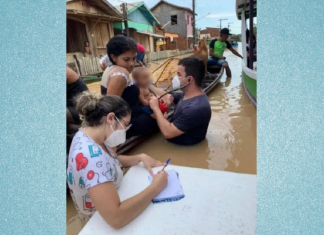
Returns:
<point x="141" y="77"/>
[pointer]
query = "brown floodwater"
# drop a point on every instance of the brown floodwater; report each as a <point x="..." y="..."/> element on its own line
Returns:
<point x="230" y="144"/>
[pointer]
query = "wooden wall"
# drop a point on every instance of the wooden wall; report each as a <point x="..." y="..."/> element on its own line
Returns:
<point x="76" y="35"/>
<point x="83" y="28"/>
<point x="78" y="31"/>
<point x="102" y="32"/>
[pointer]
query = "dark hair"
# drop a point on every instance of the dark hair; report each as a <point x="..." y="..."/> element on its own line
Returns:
<point x="86" y="42"/>
<point x="120" y="44"/>
<point x="194" y="67"/>
<point x="92" y="107"/>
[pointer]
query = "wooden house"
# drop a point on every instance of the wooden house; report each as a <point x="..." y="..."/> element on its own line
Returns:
<point x="92" y="21"/>
<point x="142" y="25"/>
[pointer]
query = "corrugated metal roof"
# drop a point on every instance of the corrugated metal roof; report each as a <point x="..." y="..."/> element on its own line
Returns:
<point x="245" y="4"/>
<point x="143" y="8"/>
<point x="180" y="7"/>
<point x="103" y="5"/>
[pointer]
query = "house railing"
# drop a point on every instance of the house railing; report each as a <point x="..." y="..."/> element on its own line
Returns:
<point x="153" y="56"/>
<point x="89" y="65"/>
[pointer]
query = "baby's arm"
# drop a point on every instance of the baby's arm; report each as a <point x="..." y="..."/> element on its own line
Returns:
<point x="142" y="99"/>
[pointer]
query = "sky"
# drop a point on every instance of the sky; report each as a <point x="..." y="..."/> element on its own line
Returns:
<point x="217" y="8"/>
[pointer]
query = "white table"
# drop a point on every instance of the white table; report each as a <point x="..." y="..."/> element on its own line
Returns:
<point x="215" y="202"/>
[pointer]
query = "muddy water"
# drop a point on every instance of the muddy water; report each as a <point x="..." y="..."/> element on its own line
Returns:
<point x="231" y="139"/>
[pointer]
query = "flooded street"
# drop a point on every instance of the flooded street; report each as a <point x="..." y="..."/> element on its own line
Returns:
<point x="231" y="140"/>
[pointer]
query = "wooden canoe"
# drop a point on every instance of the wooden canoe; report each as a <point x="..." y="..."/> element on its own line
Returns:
<point x="163" y="76"/>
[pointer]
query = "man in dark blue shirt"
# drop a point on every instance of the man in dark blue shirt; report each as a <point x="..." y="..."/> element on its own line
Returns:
<point x="192" y="114"/>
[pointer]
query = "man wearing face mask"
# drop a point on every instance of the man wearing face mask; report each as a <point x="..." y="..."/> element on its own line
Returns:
<point x="189" y="123"/>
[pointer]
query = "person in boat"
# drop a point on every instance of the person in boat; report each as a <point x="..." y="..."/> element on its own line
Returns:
<point x="141" y="78"/>
<point x="74" y="86"/>
<point x="248" y="47"/>
<point x="94" y="171"/>
<point x="216" y="51"/>
<point x="104" y="62"/>
<point x="87" y="49"/>
<point x="116" y="81"/>
<point x="190" y="120"/>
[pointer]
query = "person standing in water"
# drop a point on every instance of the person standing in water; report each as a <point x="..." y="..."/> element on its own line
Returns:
<point x="216" y="51"/>
<point x="94" y="171"/>
<point x="190" y="120"/>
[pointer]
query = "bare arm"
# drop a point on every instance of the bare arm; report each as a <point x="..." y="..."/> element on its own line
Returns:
<point x="128" y="161"/>
<point x="235" y="52"/>
<point x="168" y="130"/>
<point x="156" y="90"/>
<point x="116" y="85"/>
<point x="103" y="66"/>
<point x="71" y="76"/>
<point x="142" y="98"/>
<point x="211" y="53"/>
<point x="116" y="213"/>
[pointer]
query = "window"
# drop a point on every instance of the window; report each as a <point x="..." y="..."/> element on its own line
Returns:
<point x="192" y="23"/>
<point x="174" y="20"/>
<point x="188" y="19"/>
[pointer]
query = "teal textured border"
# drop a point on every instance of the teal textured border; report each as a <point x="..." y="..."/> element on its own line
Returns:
<point x="33" y="97"/>
<point x="290" y="117"/>
<point x="290" y="132"/>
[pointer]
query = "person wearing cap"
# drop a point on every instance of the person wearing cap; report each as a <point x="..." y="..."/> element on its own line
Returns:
<point x="217" y="48"/>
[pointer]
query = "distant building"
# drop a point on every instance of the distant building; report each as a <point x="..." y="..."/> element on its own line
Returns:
<point x="178" y="21"/>
<point x="209" y="33"/>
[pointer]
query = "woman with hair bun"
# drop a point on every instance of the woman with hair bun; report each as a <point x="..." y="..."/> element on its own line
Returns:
<point x="94" y="170"/>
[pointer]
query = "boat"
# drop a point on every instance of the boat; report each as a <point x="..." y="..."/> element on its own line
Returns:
<point x="247" y="9"/>
<point x="163" y="75"/>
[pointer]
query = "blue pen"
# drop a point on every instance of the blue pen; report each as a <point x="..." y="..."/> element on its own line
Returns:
<point x="167" y="163"/>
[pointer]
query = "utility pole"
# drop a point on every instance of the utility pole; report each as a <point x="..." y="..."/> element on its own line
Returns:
<point x="220" y="20"/>
<point x="194" y="21"/>
<point x="124" y="8"/>
<point x="229" y="26"/>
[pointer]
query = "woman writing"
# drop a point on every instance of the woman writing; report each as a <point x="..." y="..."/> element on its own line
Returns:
<point x="94" y="170"/>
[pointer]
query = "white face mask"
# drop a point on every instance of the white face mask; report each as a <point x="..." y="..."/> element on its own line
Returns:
<point x="117" y="137"/>
<point x="176" y="83"/>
